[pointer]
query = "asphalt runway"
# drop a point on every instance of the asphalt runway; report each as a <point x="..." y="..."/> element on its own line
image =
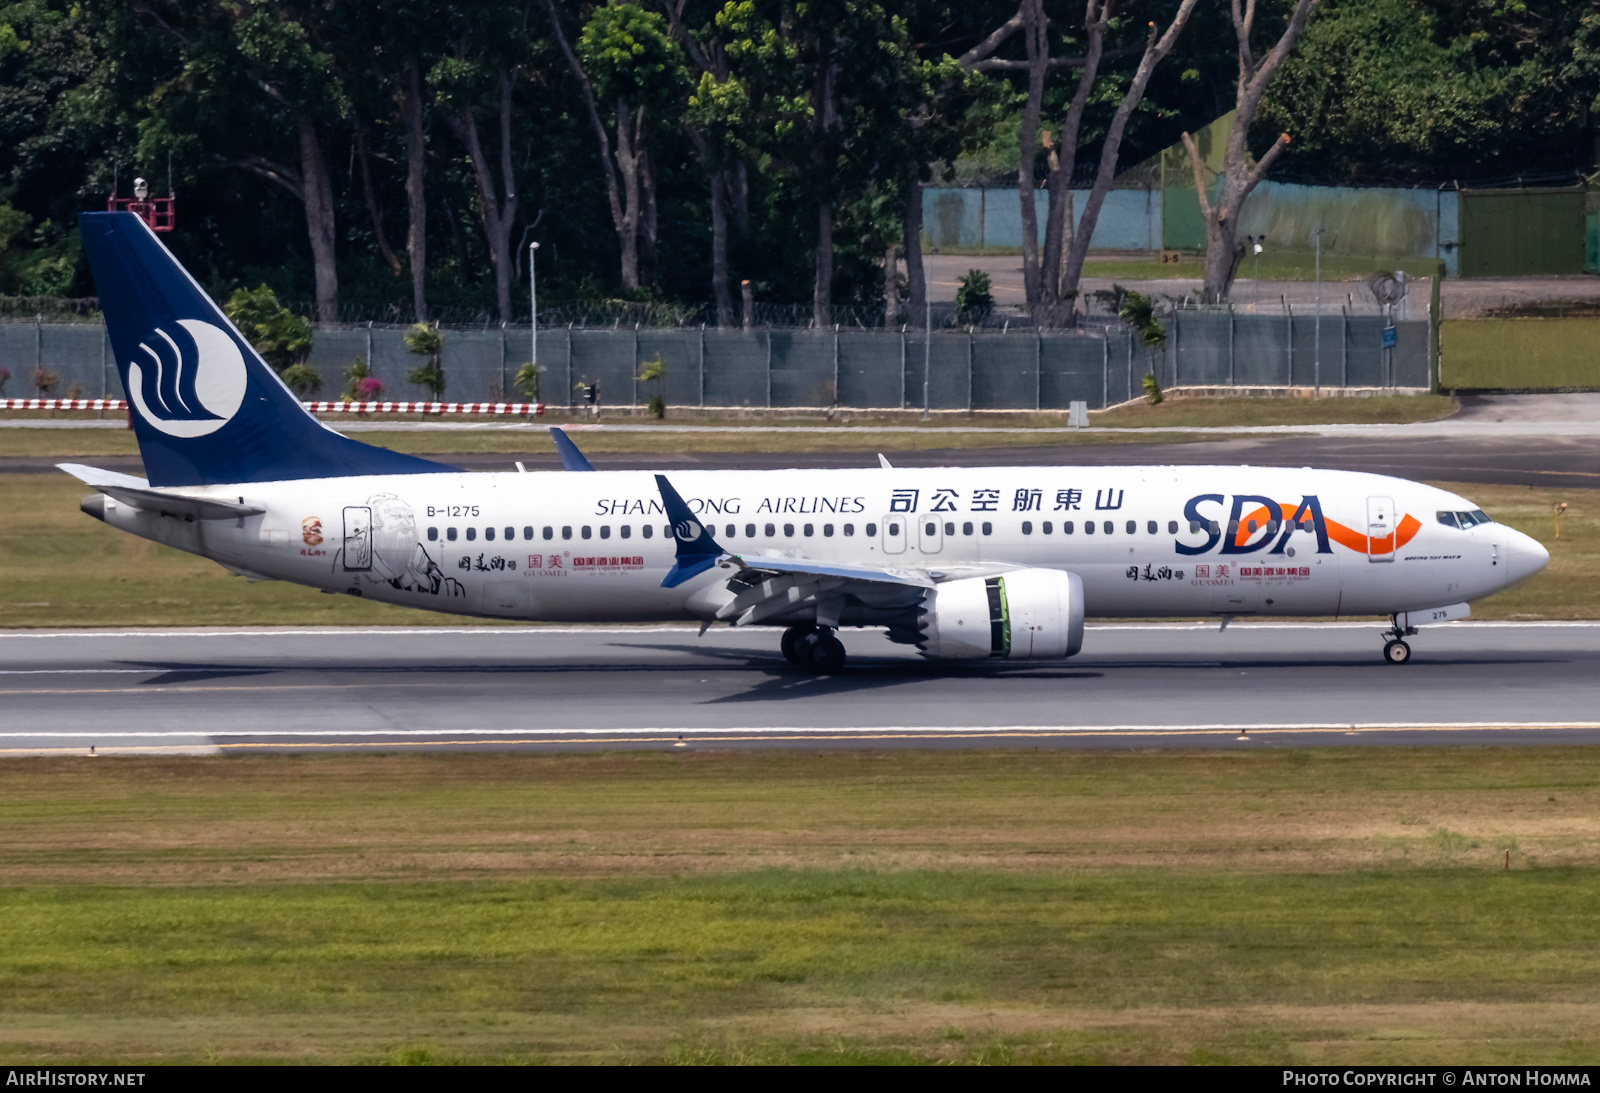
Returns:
<point x="1570" y="462"/>
<point x="1262" y="684"/>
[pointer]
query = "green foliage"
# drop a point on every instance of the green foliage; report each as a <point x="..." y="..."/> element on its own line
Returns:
<point x="426" y="340"/>
<point x="654" y="371"/>
<point x="1152" y="389"/>
<point x="302" y="379"/>
<point x="1138" y="311"/>
<point x="281" y="337"/>
<point x="526" y="381"/>
<point x="974" y="301"/>
<point x="656" y="406"/>
<point x="628" y="52"/>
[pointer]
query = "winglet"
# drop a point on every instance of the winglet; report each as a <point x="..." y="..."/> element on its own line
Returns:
<point x="571" y="458"/>
<point x="883" y="461"/>
<point x="697" y="550"/>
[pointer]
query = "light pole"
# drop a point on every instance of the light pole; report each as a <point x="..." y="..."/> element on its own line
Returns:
<point x="927" y="351"/>
<point x="1316" y="343"/>
<point x="533" y="312"/>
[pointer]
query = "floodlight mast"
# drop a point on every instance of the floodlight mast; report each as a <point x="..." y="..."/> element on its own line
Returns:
<point x="533" y="309"/>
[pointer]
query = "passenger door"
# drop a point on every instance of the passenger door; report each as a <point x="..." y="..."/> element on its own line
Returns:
<point x="1380" y="529"/>
<point x="930" y="534"/>
<point x="894" y="533"/>
<point x="357" y="551"/>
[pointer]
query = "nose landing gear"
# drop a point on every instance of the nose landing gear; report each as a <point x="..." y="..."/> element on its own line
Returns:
<point x="1395" y="650"/>
<point x="813" y="648"/>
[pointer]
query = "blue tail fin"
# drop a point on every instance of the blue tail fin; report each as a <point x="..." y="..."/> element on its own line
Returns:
<point x="206" y="408"/>
<point x="697" y="550"/>
<point x="571" y="458"/>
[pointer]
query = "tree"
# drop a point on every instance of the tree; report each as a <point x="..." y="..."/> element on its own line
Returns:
<point x="281" y="337"/>
<point x="626" y="59"/>
<point x="1239" y="175"/>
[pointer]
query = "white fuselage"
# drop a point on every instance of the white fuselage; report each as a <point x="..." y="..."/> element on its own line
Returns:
<point x="1145" y="541"/>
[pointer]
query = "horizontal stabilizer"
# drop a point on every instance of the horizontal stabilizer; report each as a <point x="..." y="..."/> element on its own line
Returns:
<point x="136" y="492"/>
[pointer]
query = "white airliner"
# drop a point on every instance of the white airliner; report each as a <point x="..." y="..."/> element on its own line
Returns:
<point x="961" y="563"/>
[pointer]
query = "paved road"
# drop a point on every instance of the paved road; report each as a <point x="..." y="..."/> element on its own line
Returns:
<point x="1253" y="685"/>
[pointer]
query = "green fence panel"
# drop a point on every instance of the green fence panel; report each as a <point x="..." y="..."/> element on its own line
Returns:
<point x="1518" y="233"/>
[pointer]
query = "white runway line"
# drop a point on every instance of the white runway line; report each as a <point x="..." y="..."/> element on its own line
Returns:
<point x="794" y="730"/>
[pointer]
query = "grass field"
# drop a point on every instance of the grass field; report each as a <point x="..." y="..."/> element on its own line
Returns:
<point x="1347" y="906"/>
<point x="780" y="434"/>
<point x="59" y="567"/>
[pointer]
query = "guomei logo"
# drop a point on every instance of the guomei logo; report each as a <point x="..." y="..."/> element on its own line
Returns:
<point x="192" y="391"/>
<point x="688" y="531"/>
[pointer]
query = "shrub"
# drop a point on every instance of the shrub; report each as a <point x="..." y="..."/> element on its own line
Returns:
<point x="974" y="301"/>
<point x="302" y="379"/>
<point x="44" y="380"/>
<point x="1152" y="389"/>
<point x="281" y="337"/>
<point x="369" y="389"/>
<point x="425" y="340"/>
<point x="655" y="371"/>
<point x="5" y="375"/>
<point x="526" y="381"/>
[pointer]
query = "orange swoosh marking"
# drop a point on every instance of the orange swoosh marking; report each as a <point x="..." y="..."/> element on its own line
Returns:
<point x="1337" y="532"/>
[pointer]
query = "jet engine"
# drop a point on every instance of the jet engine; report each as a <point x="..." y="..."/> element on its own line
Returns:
<point x="1027" y="614"/>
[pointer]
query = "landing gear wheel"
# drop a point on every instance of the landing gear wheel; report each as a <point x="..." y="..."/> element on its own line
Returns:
<point x="790" y="645"/>
<point x="1397" y="652"/>
<point x="824" y="653"/>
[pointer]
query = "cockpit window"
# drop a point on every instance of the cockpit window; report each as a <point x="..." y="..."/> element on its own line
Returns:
<point x="1464" y="519"/>
<point x="1448" y="519"/>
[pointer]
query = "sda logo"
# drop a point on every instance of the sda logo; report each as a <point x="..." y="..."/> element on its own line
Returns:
<point x="193" y="393"/>
<point x="688" y="531"/>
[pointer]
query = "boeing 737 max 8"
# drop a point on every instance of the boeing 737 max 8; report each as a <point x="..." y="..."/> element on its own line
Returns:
<point x="961" y="563"/>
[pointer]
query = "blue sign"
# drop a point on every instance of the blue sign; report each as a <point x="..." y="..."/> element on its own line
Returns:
<point x="1389" y="337"/>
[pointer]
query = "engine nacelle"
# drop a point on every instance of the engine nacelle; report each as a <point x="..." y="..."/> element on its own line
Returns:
<point x="1027" y="614"/>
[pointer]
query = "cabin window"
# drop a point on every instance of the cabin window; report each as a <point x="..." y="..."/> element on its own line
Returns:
<point x="1252" y="525"/>
<point x="749" y="531"/>
<point x="605" y="531"/>
<point x="511" y="533"/>
<point x="1133" y="526"/>
<point x="788" y="531"/>
<point x="932" y="528"/>
<point x="730" y="529"/>
<point x="1172" y="527"/>
<point x="1194" y="527"/>
<point x="549" y="532"/>
<point x="450" y="533"/>
<point x="871" y="529"/>
<point x="647" y="530"/>
<point x="1109" y="527"/>
<point x="586" y="532"/>
<point x="949" y="528"/>
<point x="810" y="530"/>
<point x="1088" y="527"/>
<point x="1046" y="527"/>
<point x="850" y="529"/>
<point x="1233" y="527"/>
<point x="827" y="531"/>
<point x="988" y="528"/>
<point x="1027" y="527"/>
<point x="1066" y="527"/>
<point x="771" y="531"/>
<point x="527" y="533"/>
<point x="472" y="533"/>
<point x="566" y="532"/>
<point x="488" y="534"/>
<point x="1153" y="528"/>
<point x="433" y="534"/>
<point x="966" y="528"/>
<point x="626" y="531"/>
<point x="894" y="529"/>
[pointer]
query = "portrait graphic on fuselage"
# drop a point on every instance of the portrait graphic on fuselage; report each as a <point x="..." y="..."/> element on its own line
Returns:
<point x="393" y="552"/>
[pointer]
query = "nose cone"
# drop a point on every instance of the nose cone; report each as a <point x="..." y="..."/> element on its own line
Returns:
<point x="1525" y="556"/>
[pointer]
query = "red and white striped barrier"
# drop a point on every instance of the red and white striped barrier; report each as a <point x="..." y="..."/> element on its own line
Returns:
<point x="514" y="409"/>
<point x="62" y="404"/>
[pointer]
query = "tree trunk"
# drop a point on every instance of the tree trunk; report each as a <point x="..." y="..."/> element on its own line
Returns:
<point x="1059" y="232"/>
<point x="390" y="259"/>
<point x="416" y="198"/>
<point x="1036" y="35"/>
<point x="822" y="292"/>
<point x="627" y="157"/>
<point x="916" y="281"/>
<point x="498" y="214"/>
<point x="319" y="221"/>
<point x="719" y="249"/>
<point x="1155" y="51"/>
<point x="891" y="286"/>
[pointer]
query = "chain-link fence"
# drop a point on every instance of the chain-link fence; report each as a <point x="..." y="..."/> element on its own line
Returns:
<point x="953" y="369"/>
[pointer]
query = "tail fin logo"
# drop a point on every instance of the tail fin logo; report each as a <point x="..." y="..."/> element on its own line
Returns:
<point x="188" y="391"/>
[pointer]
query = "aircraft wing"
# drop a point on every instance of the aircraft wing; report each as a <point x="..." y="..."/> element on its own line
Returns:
<point x="137" y="492"/>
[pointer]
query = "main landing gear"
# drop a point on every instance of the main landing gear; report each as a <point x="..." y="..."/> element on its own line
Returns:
<point x="813" y="648"/>
<point x="1395" y="650"/>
